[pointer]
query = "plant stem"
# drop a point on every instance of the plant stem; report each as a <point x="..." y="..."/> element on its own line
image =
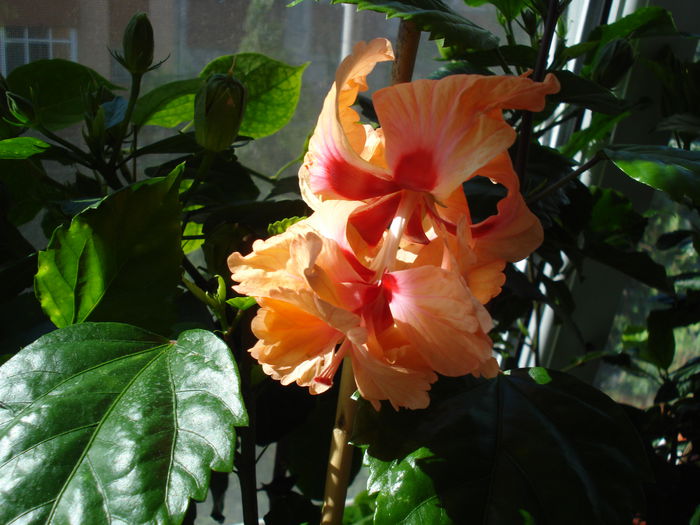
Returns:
<point x="406" y="51"/>
<point x="550" y="26"/>
<point x="201" y="174"/>
<point x="124" y="126"/>
<point x="340" y="457"/>
<point x="245" y="461"/>
<point x="565" y="179"/>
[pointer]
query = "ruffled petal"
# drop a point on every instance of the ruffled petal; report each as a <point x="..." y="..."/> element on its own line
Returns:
<point x="378" y="380"/>
<point x="440" y="318"/>
<point x="336" y="165"/>
<point x="293" y="346"/>
<point x="514" y="232"/>
<point x="439" y="132"/>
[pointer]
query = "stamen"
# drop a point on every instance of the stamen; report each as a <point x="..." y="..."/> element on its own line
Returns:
<point x="386" y="258"/>
<point x="326" y="376"/>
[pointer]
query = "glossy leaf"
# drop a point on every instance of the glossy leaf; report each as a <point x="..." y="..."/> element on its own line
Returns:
<point x="58" y="88"/>
<point x="105" y="423"/>
<point x="487" y="449"/>
<point x="273" y="90"/>
<point x="167" y="105"/>
<point x="674" y="171"/>
<point x="433" y="16"/>
<point x="21" y="147"/>
<point x="118" y="261"/>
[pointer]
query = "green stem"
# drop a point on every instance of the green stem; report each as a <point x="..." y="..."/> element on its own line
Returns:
<point x="245" y="457"/>
<point x="300" y="158"/>
<point x="565" y="179"/>
<point x="124" y="126"/>
<point x="201" y="174"/>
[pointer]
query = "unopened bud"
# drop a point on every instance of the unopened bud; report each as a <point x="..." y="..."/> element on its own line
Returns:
<point x="218" y="112"/>
<point x="21" y="109"/>
<point x="138" y="45"/>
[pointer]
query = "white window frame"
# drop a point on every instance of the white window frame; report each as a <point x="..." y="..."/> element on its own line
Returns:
<point x="27" y="42"/>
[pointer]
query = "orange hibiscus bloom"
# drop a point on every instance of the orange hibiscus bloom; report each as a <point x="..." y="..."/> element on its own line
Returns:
<point x="390" y="270"/>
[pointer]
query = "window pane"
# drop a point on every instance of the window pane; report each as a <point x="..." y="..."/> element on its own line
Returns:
<point x="14" y="56"/>
<point x="61" y="33"/>
<point x="38" y="51"/>
<point x="14" y="32"/>
<point x="38" y="32"/>
<point x="61" y="51"/>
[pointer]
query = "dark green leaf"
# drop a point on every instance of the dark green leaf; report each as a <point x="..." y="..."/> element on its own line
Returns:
<point x="273" y="90"/>
<point x="685" y="123"/>
<point x="119" y="261"/>
<point x="21" y="147"/>
<point x="661" y="344"/>
<point x="510" y="9"/>
<point x="614" y="221"/>
<point x="57" y="88"/>
<point x="433" y="16"/>
<point x="637" y="265"/>
<point x="586" y="93"/>
<point x="125" y="425"/>
<point x="517" y="55"/>
<point x="159" y="107"/>
<point x="675" y="171"/>
<point x="643" y="22"/>
<point x="180" y="143"/>
<point x="486" y="449"/>
<point x="459" y="67"/>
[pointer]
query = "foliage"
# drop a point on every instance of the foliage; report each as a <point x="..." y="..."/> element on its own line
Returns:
<point x="120" y="389"/>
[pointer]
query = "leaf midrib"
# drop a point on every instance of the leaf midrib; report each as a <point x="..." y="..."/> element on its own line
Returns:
<point x="106" y="415"/>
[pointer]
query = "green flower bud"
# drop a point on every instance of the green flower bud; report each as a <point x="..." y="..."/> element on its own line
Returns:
<point x="612" y="62"/>
<point x="138" y="45"/>
<point x="218" y="112"/>
<point x="529" y="21"/>
<point x="21" y="109"/>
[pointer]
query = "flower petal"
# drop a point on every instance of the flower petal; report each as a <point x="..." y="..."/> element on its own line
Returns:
<point x="378" y="380"/>
<point x="439" y="132"/>
<point x="335" y="166"/>
<point x="440" y="318"/>
<point x="514" y="232"/>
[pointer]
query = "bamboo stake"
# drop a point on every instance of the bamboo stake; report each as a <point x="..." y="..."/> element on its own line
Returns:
<point x="340" y="458"/>
<point x="406" y="51"/>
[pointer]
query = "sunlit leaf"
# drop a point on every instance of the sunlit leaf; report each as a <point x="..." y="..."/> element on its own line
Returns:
<point x="167" y="105"/>
<point x="485" y="450"/>
<point x="118" y="261"/>
<point x="273" y="89"/>
<point x="105" y="422"/>
<point x="21" y="147"/>
<point x="675" y="171"/>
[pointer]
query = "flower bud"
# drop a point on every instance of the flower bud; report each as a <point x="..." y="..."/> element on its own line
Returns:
<point x="138" y="45"/>
<point x="218" y="112"/>
<point x="21" y="109"/>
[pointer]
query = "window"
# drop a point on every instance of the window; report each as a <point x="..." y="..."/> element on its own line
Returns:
<point x="23" y="44"/>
